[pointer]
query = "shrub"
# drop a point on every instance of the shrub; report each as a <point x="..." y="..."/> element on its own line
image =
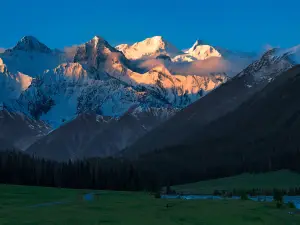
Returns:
<point x="157" y="195"/>
<point x="291" y="205"/>
<point x="216" y="193"/>
<point x="244" y="195"/>
<point x="279" y="205"/>
<point x="278" y="198"/>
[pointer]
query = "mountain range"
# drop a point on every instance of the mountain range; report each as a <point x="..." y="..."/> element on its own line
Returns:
<point x="123" y="100"/>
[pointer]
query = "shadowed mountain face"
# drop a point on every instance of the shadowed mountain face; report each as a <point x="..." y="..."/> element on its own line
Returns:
<point x="264" y="127"/>
<point x="90" y="135"/>
<point x="18" y="131"/>
<point x="227" y="98"/>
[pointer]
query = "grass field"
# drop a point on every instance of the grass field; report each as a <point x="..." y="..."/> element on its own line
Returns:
<point x="279" y="179"/>
<point x="126" y="208"/>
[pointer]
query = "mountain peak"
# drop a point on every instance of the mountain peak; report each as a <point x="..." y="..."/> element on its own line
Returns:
<point x="29" y="38"/>
<point x="98" y="38"/>
<point x="158" y="38"/>
<point x="150" y="47"/>
<point x="197" y="43"/>
<point x="202" y="51"/>
<point x="94" y="53"/>
<point x="30" y="44"/>
<point x="99" y="42"/>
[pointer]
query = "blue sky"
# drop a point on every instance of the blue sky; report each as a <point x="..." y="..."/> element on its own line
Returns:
<point x="235" y="24"/>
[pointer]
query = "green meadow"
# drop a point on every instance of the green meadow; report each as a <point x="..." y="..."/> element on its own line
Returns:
<point x="282" y="179"/>
<point x="127" y="208"/>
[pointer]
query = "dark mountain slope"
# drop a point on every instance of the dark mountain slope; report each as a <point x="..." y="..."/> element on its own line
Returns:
<point x="19" y="131"/>
<point x="263" y="133"/>
<point x="216" y="104"/>
<point x="89" y="135"/>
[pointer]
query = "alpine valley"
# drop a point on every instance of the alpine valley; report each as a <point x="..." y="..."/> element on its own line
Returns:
<point x="100" y="100"/>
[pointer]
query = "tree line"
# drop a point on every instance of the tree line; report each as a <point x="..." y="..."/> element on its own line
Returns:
<point x="149" y="173"/>
<point x="22" y="169"/>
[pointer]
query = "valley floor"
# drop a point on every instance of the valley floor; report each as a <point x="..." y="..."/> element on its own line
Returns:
<point x="124" y="208"/>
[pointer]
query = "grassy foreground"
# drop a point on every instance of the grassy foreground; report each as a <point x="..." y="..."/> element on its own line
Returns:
<point x="279" y="179"/>
<point x="130" y="209"/>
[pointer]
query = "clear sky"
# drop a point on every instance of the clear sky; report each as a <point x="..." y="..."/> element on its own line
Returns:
<point x="236" y="24"/>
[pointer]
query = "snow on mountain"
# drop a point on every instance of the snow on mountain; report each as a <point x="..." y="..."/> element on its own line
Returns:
<point x="201" y="55"/>
<point x="60" y="94"/>
<point x="193" y="61"/>
<point x="31" y="57"/>
<point x="103" y="80"/>
<point x="150" y="47"/>
<point x="177" y="90"/>
<point x="199" y="51"/>
<point x="12" y="85"/>
<point x="173" y="89"/>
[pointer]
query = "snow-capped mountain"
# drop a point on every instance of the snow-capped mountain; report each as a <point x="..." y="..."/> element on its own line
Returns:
<point x="102" y="80"/>
<point x="31" y="57"/>
<point x="199" y="51"/>
<point x="122" y="82"/>
<point x="150" y="47"/>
